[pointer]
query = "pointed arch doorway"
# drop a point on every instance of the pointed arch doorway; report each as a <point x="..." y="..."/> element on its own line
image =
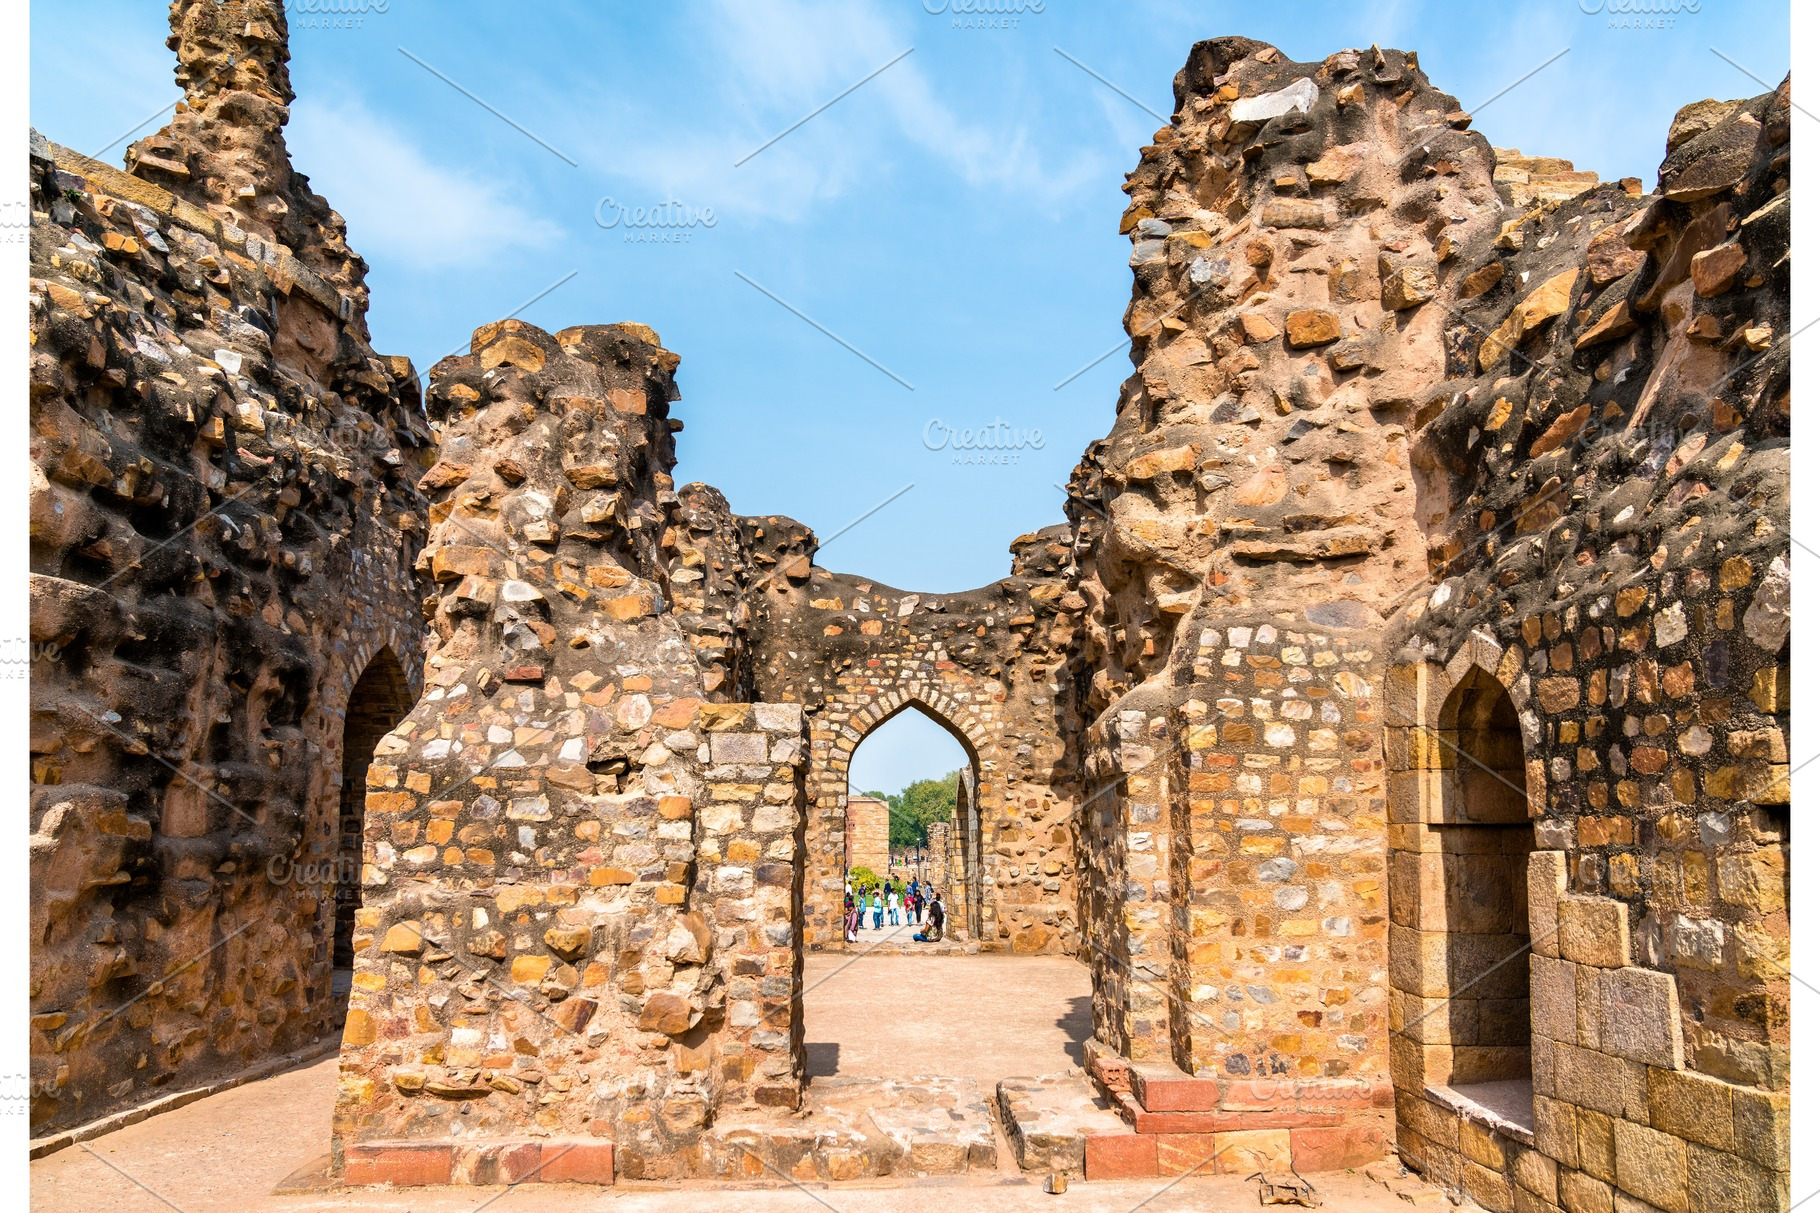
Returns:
<point x="930" y="832"/>
<point x="380" y="699"/>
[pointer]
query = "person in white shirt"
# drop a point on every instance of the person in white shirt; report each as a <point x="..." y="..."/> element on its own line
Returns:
<point x="894" y="901"/>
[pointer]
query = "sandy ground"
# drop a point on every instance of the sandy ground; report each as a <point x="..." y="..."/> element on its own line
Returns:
<point x="877" y="1015"/>
<point x="882" y="1015"/>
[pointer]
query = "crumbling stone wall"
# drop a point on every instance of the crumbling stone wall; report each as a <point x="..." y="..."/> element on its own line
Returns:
<point x="224" y="519"/>
<point x="1428" y="600"/>
<point x="581" y="876"/>
<point x="1410" y="409"/>
<point x="1609" y="534"/>
<point x="1244" y="531"/>
<point x="985" y="664"/>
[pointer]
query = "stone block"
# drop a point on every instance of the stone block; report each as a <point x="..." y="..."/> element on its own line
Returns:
<point x="1432" y="1120"/>
<point x="1479" y="1144"/>
<point x="1529" y="1202"/>
<point x="1760" y="1126"/>
<point x="1418" y="890"/>
<point x="404" y="1164"/>
<point x="1542" y="1065"/>
<point x="1121" y="1156"/>
<point x="1557" y="1131"/>
<point x="1640" y="1016"/>
<point x="1652" y="1166"/>
<point x="1537" y="1172"/>
<point x="1338" y="1148"/>
<point x="1624" y="1202"/>
<point x="587" y="1161"/>
<point x="1693" y="1106"/>
<point x="1553" y="999"/>
<point x="1491" y="1190"/>
<point x="1584" y="1194"/>
<point x="1612" y="1085"/>
<point x="1419" y="962"/>
<point x="1719" y="1181"/>
<point x="739" y="747"/>
<point x="1161" y="1087"/>
<point x="1594" y="930"/>
<point x="1597" y="1145"/>
<point x="1547" y="880"/>
<point x="1186" y="1153"/>
<point x="1246" y="1151"/>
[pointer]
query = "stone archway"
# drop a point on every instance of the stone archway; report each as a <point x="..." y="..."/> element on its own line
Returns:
<point x="380" y="698"/>
<point x="824" y="843"/>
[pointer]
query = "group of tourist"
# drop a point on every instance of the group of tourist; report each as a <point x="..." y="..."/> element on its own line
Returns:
<point x="896" y="903"/>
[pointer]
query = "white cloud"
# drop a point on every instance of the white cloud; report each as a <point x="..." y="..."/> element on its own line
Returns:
<point x="400" y="206"/>
<point x="776" y="63"/>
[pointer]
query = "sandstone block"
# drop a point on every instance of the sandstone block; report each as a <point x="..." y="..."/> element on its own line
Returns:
<point x="1594" y="930"/>
<point x="1409" y="286"/>
<point x="1652" y="1166"/>
<point x="1311" y="327"/>
<point x="1611" y="1085"/>
<point x="1553" y="998"/>
<point x="582" y="1162"/>
<point x="1760" y="1126"/>
<point x="1584" y="1194"/>
<point x="1719" y="1181"/>
<point x="404" y="1164"/>
<point x="1336" y="1148"/>
<point x="1557" y="1131"/>
<point x="1640" y="1016"/>
<point x="1546" y="880"/>
<point x="1121" y="1156"/>
<point x="1691" y="1105"/>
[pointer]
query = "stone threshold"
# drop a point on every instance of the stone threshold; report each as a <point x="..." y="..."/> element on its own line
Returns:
<point x="1505" y="1106"/>
<point x="485" y="1163"/>
<point x="51" y="1143"/>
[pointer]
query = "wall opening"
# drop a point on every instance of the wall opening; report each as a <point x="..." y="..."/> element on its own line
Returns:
<point x="379" y="700"/>
<point x="887" y="1007"/>
<point x="911" y="819"/>
<point x="1486" y="839"/>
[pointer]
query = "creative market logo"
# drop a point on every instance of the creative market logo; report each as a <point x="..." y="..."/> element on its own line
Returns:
<point x="331" y="14"/>
<point x="983" y="14"/>
<point x="1639" y="14"/>
<point x="998" y="444"/>
<point x="669" y="222"/>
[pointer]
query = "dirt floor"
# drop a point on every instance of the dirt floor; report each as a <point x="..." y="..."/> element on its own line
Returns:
<point x="883" y="1015"/>
<point x="880" y="1015"/>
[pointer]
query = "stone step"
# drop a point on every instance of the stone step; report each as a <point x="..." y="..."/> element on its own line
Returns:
<point x="1049" y="1118"/>
<point x="861" y="1128"/>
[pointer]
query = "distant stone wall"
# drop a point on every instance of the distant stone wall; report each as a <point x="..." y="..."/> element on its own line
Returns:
<point x="868" y="834"/>
<point x="989" y="666"/>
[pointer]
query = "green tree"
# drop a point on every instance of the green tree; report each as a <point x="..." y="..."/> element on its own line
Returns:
<point x="919" y="804"/>
<point x="864" y="879"/>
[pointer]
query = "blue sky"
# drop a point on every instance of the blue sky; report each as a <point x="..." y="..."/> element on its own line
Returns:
<point x="954" y="219"/>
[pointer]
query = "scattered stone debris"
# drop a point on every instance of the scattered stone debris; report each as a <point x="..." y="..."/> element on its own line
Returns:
<point x="1285" y="1188"/>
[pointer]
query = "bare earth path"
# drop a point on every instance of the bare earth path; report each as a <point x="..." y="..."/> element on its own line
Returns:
<point x="866" y="1015"/>
<point x="883" y="1015"/>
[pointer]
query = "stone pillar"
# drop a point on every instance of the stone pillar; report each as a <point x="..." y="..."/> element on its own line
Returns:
<point x="750" y="883"/>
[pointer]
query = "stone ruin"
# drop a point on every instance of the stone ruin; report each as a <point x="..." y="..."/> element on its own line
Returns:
<point x="868" y="834"/>
<point x="1396" y="728"/>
